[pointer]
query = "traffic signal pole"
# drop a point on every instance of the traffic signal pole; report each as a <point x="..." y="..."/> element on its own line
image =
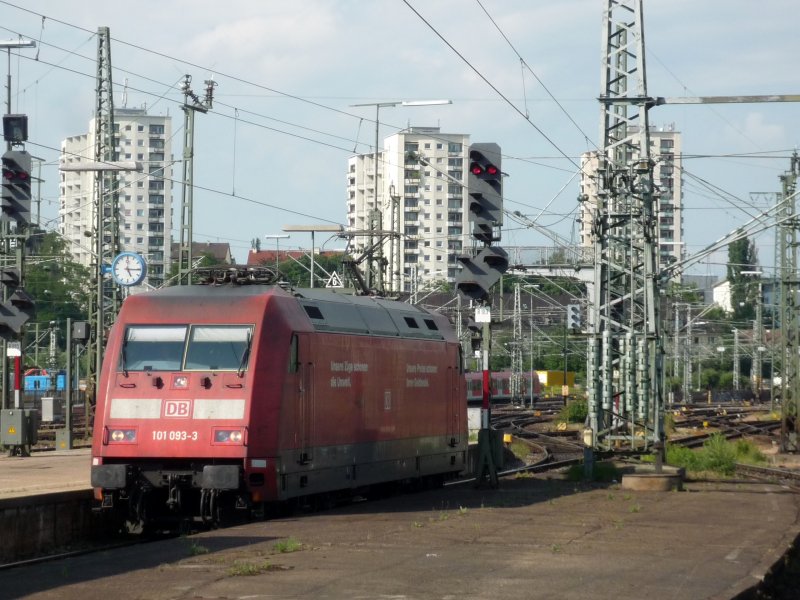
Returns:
<point x="479" y="272"/>
<point x="486" y="472"/>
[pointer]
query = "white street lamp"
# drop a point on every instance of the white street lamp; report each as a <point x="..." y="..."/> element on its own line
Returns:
<point x="8" y="45"/>
<point x="378" y="106"/>
<point x="277" y="237"/>
<point x="313" y="229"/>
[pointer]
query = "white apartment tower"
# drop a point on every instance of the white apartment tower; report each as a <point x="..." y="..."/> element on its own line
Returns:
<point x="420" y="194"/>
<point x="665" y="150"/>
<point x="145" y="199"/>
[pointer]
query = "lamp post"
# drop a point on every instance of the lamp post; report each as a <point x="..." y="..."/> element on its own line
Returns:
<point x="277" y="237"/>
<point x="378" y="106"/>
<point x="313" y="229"/>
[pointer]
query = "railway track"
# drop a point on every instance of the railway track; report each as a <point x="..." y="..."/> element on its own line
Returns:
<point x="770" y="474"/>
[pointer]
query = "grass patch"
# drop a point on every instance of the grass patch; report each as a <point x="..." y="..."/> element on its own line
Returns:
<point x="748" y="452"/>
<point x="248" y="569"/>
<point x="519" y="449"/>
<point x="603" y="471"/>
<point x="669" y="422"/>
<point x="288" y="545"/>
<point x="196" y="549"/>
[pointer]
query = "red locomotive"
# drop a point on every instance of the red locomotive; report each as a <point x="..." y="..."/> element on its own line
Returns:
<point x="216" y="397"/>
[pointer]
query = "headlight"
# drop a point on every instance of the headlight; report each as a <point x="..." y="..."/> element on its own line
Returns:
<point x="122" y="436"/>
<point x="228" y="436"/>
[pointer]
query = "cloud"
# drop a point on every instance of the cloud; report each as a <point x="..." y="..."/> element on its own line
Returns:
<point x="756" y="127"/>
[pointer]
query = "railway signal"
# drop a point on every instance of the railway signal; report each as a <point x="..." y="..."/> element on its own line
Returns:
<point x="16" y="199"/>
<point x="574" y="317"/>
<point x="479" y="273"/>
<point x="15" y="128"/>
<point x="18" y="308"/>
<point x="485" y="187"/>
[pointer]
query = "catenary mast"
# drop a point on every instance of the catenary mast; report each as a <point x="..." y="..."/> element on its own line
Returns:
<point x="624" y="345"/>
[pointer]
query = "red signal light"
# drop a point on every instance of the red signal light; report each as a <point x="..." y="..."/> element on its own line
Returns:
<point x="478" y="169"/>
<point x="13" y="175"/>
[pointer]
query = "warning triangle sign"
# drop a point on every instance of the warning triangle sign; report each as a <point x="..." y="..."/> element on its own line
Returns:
<point x="335" y="281"/>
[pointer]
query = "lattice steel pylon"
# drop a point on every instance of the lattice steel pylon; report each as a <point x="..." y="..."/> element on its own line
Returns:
<point x="788" y="225"/>
<point x="516" y="350"/>
<point x="624" y="362"/>
<point x="105" y="297"/>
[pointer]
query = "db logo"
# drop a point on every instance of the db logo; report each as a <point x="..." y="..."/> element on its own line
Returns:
<point x="177" y="408"/>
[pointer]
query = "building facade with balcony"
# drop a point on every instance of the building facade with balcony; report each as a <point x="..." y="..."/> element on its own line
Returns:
<point x="145" y="199"/>
<point x="419" y="194"/>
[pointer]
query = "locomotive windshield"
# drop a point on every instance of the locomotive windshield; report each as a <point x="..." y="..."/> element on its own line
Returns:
<point x="186" y="347"/>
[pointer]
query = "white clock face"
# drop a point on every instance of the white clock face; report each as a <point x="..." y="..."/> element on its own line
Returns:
<point x="128" y="269"/>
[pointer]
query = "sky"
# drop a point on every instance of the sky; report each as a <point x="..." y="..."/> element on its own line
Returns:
<point x="273" y="150"/>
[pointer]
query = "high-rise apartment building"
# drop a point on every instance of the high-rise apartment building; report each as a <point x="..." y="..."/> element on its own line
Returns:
<point x="419" y="192"/>
<point x="145" y="199"/>
<point x="665" y="150"/>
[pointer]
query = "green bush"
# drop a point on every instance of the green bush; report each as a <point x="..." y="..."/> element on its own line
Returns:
<point x="679" y="456"/>
<point x="575" y="411"/>
<point x="717" y="455"/>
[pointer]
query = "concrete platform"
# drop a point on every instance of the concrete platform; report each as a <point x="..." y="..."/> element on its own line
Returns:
<point x="45" y="472"/>
<point x="532" y="538"/>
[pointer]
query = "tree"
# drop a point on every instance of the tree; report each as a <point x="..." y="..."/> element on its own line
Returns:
<point x="297" y="271"/>
<point x="743" y="257"/>
<point x="58" y="285"/>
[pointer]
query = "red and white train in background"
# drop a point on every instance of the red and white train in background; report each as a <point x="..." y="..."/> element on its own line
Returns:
<point x="217" y="397"/>
<point x="500" y="386"/>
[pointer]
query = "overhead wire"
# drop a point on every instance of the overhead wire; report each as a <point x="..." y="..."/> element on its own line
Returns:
<point x="252" y="123"/>
<point x="490" y="84"/>
<point x="237" y="196"/>
<point x="525" y="65"/>
<point x="525" y="115"/>
<point x="317" y="104"/>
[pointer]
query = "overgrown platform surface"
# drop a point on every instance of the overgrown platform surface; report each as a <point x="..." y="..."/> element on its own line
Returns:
<point x="531" y="538"/>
